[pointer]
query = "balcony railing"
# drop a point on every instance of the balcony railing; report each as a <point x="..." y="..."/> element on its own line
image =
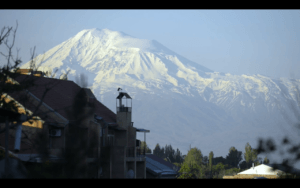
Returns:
<point x="140" y="152"/>
<point x="130" y="152"/>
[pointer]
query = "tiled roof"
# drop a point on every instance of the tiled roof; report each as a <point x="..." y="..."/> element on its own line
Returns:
<point x="61" y="96"/>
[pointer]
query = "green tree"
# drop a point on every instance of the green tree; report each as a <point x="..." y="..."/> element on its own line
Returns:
<point x="194" y="157"/>
<point x="177" y="164"/>
<point x="170" y="153"/>
<point x="232" y="171"/>
<point x="266" y="160"/>
<point x="162" y="152"/>
<point x="219" y="170"/>
<point x="148" y="150"/>
<point x="234" y="157"/>
<point x="250" y="155"/>
<point x="205" y="160"/>
<point x="210" y="164"/>
<point x="220" y="159"/>
<point x="156" y="150"/>
<point x="178" y="156"/>
<point x="185" y="172"/>
<point x="193" y="160"/>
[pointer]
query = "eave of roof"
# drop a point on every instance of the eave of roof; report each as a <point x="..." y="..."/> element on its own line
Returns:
<point x="122" y="94"/>
<point x="142" y="130"/>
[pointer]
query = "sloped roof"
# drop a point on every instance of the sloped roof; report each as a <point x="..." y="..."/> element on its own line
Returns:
<point x="260" y="169"/>
<point x="61" y="96"/>
<point x="89" y="93"/>
<point x="122" y="94"/>
<point x="266" y="169"/>
<point x="283" y="168"/>
<point x="157" y="165"/>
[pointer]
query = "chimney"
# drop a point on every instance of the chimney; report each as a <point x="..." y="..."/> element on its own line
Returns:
<point x="123" y="110"/>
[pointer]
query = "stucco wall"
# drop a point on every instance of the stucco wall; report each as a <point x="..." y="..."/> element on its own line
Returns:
<point x="124" y="119"/>
<point x="131" y="136"/>
<point x="118" y="161"/>
<point x="120" y="138"/>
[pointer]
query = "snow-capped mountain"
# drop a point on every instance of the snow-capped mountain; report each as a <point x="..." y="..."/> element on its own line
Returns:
<point x="179" y="101"/>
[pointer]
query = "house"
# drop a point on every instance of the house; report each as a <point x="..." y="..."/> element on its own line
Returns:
<point x="117" y="147"/>
<point x="159" y="168"/>
<point x="17" y="169"/>
<point x="262" y="170"/>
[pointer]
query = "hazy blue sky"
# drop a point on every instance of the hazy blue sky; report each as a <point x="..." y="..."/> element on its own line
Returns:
<point x="263" y="42"/>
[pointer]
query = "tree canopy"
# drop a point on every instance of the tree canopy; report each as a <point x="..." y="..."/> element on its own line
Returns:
<point x="250" y="155"/>
<point x="234" y="157"/>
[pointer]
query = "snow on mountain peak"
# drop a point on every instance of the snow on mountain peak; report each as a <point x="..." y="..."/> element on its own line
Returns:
<point x="116" y="39"/>
<point x="114" y="57"/>
<point x="200" y="105"/>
